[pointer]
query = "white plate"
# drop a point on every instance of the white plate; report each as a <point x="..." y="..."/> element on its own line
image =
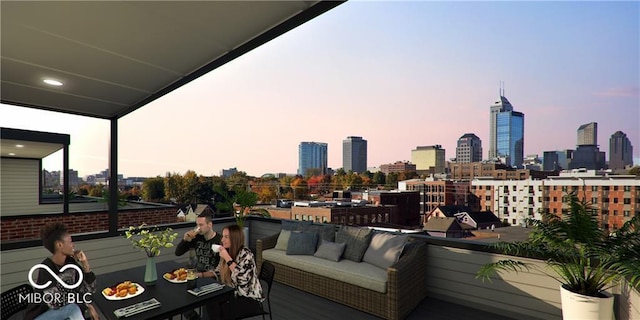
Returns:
<point x="174" y="281"/>
<point x="113" y="297"/>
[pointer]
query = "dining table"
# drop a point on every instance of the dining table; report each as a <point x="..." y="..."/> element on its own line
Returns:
<point x="173" y="297"/>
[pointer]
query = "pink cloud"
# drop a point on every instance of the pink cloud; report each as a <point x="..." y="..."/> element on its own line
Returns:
<point x="619" y="92"/>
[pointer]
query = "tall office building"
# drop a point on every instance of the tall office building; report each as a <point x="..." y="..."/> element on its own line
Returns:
<point x="429" y="159"/>
<point x="500" y="105"/>
<point x="312" y="155"/>
<point x="557" y="160"/>
<point x="620" y="151"/>
<point x="506" y="136"/>
<point x="354" y="154"/>
<point x="588" y="134"/>
<point x="587" y="154"/>
<point x="469" y="149"/>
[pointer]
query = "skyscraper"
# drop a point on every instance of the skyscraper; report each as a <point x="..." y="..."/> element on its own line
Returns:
<point x="620" y="151"/>
<point x="312" y="155"/>
<point x="587" y="154"/>
<point x="354" y="154"/>
<point x="506" y="136"/>
<point x="500" y="105"/>
<point x="469" y="149"/>
<point x="588" y="134"/>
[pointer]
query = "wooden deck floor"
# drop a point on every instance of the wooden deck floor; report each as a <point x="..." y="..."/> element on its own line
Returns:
<point x="292" y="304"/>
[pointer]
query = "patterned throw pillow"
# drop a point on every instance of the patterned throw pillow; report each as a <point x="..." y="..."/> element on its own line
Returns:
<point x="357" y="241"/>
<point x="384" y="249"/>
<point x="330" y="250"/>
<point x="325" y="232"/>
<point x="302" y="243"/>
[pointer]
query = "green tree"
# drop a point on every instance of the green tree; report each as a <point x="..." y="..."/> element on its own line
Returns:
<point x="635" y="171"/>
<point x="204" y="191"/>
<point x="392" y="180"/>
<point x="238" y="180"/>
<point x="153" y="189"/>
<point x="172" y="183"/>
<point x="379" y="178"/>
<point x="96" y="191"/>
<point x="188" y="187"/>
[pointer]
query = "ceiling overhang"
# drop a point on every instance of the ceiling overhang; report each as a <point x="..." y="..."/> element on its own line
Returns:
<point x="114" y="57"/>
<point x="27" y="144"/>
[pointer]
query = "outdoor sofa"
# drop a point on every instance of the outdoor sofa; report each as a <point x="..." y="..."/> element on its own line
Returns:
<point x="391" y="292"/>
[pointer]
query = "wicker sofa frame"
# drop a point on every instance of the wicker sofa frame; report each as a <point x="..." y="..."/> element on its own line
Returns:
<point x="406" y="283"/>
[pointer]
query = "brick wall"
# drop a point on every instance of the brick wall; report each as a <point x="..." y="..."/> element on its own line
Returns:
<point x="17" y="228"/>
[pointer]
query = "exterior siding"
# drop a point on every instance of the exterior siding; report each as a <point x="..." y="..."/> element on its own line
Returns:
<point x="19" y="182"/>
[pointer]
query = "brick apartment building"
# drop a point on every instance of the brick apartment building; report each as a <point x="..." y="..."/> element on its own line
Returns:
<point x="496" y="170"/>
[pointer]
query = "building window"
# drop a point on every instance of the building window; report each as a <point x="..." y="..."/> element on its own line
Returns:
<point x="488" y="198"/>
<point x="555" y="210"/>
<point x="615" y="212"/>
<point x="564" y="188"/>
<point x="594" y="200"/>
<point x="514" y="199"/>
<point x="513" y="209"/>
<point x="297" y="217"/>
<point x="626" y="213"/>
<point x="627" y="188"/>
<point x="627" y="200"/>
<point x="317" y="218"/>
<point x="594" y="188"/>
<point x="555" y="199"/>
<point x="615" y="200"/>
<point x="325" y="220"/>
<point x="513" y="221"/>
<point x="487" y="208"/>
<point x="514" y="188"/>
<point x="615" y="188"/>
<point x="304" y="218"/>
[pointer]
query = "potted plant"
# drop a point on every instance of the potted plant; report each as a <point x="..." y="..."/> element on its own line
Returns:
<point x="150" y="240"/>
<point x="584" y="259"/>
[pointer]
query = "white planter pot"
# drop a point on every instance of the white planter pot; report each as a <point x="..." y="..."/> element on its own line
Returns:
<point x="580" y="307"/>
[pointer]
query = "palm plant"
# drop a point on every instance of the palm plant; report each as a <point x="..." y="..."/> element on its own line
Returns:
<point x="584" y="258"/>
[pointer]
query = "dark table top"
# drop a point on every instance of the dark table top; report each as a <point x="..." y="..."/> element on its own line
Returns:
<point x="173" y="297"/>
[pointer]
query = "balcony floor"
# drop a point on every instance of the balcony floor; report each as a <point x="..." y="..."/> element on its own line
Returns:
<point x="292" y="304"/>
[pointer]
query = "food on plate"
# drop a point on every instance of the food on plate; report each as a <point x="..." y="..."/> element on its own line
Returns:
<point x="178" y="275"/>
<point x="121" y="290"/>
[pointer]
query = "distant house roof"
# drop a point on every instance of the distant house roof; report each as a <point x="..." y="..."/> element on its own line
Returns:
<point x="451" y="210"/>
<point x="201" y="208"/>
<point x="484" y="217"/>
<point x="444" y="224"/>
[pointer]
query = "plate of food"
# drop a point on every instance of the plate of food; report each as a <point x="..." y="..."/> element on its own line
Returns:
<point x="122" y="290"/>
<point x="176" y="276"/>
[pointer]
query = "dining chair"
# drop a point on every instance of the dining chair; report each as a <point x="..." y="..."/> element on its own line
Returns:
<point x="10" y="300"/>
<point x="266" y="274"/>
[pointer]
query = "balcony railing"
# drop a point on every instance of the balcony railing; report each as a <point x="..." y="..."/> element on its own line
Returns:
<point x="452" y="264"/>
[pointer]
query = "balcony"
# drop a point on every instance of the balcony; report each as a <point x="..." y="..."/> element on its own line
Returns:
<point x="453" y="291"/>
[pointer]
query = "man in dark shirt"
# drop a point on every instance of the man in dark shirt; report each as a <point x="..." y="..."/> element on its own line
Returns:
<point x="200" y="241"/>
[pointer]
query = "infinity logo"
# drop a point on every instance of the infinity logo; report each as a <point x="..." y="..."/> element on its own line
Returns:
<point x="60" y="281"/>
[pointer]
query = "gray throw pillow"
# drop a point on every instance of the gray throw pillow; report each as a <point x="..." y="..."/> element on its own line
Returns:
<point x="326" y="232"/>
<point x="384" y="249"/>
<point x="283" y="240"/>
<point x="330" y="250"/>
<point x="294" y="225"/>
<point x="302" y="243"/>
<point x="356" y="239"/>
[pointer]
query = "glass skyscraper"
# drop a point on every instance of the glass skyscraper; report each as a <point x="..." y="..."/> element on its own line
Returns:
<point x="312" y="155"/>
<point x="506" y="133"/>
<point x="354" y="154"/>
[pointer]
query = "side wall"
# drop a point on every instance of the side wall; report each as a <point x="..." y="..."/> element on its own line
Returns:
<point x="19" y="184"/>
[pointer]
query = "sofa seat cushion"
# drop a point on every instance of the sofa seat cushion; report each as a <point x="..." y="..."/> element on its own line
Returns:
<point x="360" y="274"/>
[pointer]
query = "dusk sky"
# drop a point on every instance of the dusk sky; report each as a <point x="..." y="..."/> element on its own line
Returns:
<point x="398" y="74"/>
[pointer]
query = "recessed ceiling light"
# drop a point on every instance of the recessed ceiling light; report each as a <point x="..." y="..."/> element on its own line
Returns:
<point x="12" y="154"/>
<point x="52" y="82"/>
<point x="19" y="146"/>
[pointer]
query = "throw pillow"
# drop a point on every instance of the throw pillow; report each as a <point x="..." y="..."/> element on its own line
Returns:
<point x="384" y="249"/>
<point x="326" y="232"/>
<point x="302" y="243"/>
<point x="330" y="250"/>
<point x="356" y="239"/>
<point x="294" y="225"/>
<point x="283" y="240"/>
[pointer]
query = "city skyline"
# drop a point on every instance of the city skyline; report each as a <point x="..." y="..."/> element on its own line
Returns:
<point x="400" y="74"/>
